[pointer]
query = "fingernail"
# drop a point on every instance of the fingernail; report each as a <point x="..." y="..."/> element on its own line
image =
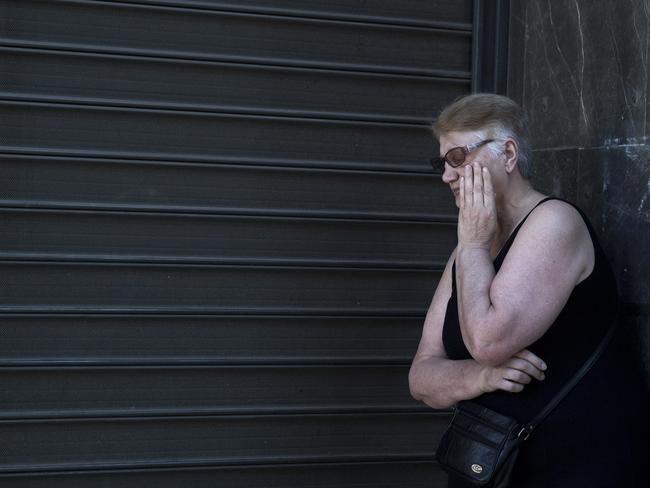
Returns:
<point x="543" y="376"/>
<point x="544" y="366"/>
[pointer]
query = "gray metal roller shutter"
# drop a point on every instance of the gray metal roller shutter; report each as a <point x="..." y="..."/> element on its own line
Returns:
<point x="219" y="234"/>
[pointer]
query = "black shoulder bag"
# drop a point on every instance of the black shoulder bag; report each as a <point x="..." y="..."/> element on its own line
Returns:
<point x="481" y="446"/>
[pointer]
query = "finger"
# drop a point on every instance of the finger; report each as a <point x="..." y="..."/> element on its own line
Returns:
<point x="526" y="367"/>
<point x="469" y="185"/>
<point x="517" y="376"/>
<point x="478" y="184"/>
<point x="510" y="386"/>
<point x="488" y="190"/>
<point x="532" y="358"/>
<point x="462" y="192"/>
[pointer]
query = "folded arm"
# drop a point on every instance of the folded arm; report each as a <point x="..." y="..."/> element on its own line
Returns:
<point x="502" y="313"/>
<point x="441" y="382"/>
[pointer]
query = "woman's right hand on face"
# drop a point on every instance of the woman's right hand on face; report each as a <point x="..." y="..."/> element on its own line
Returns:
<point x="513" y="374"/>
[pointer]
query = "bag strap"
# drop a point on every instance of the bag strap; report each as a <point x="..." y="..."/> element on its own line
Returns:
<point x="527" y="430"/>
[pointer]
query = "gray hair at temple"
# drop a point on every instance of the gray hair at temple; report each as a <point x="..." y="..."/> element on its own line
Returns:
<point x="495" y="117"/>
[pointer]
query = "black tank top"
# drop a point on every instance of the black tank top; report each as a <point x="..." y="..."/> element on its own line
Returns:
<point x="565" y="346"/>
<point x="588" y="439"/>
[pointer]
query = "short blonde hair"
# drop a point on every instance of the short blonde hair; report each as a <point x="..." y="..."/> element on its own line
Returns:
<point x="498" y="117"/>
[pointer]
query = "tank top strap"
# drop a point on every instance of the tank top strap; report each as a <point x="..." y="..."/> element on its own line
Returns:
<point x="506" y="246"/>
<point x="498" y="260"/>
<point x="590" y="227"/>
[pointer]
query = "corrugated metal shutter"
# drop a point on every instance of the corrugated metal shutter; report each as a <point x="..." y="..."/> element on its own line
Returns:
<point x="218" y="237"/>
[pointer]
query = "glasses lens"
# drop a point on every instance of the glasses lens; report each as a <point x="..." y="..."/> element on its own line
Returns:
<point x="455" y="156"/>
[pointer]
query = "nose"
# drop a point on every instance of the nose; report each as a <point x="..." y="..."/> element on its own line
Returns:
<point x="449" y="174"/>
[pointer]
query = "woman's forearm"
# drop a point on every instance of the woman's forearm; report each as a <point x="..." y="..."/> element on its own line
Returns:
<point x="476" y="313"/>
<point x="441" y="382"/>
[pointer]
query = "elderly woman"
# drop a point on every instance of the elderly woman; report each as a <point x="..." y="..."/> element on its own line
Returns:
<point x="524" y="300"/>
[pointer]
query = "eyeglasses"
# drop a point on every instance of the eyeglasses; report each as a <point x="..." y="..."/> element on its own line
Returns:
<point x="455" y="157"/>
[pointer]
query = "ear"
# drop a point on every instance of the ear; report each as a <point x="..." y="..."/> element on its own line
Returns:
<point x="511" y="152"/>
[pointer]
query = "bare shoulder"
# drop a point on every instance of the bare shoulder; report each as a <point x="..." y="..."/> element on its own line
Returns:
<point x="556" y="236"/>
<point x="557" y="214"/>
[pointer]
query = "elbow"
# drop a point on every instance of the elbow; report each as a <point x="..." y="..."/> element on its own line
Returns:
<point x="486" y="350"/>
<point x="488" y="353"/>
<point x="488" y="345"/>
<point x="414" y="384"/>
<point x="417" y="388"/>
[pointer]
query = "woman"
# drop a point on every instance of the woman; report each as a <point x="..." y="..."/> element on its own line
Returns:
<point x="525" y="298"/>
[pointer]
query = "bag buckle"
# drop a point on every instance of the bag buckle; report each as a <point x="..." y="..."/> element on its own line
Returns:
<point x="525" y="432"/>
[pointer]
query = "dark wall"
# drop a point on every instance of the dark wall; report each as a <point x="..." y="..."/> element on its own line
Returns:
<point x="219" y="235"/>
<point x="580" y="70"/>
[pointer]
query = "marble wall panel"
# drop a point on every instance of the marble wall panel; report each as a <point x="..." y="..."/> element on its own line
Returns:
<point x="614" y="189"/>
<point x="583" y="70"/>
<point x="555" y="172"/>
<point x="517" y="49"/>
<point x="580" y="70"/>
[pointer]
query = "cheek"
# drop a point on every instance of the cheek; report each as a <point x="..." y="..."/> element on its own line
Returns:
<point x="498" y="178"/>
